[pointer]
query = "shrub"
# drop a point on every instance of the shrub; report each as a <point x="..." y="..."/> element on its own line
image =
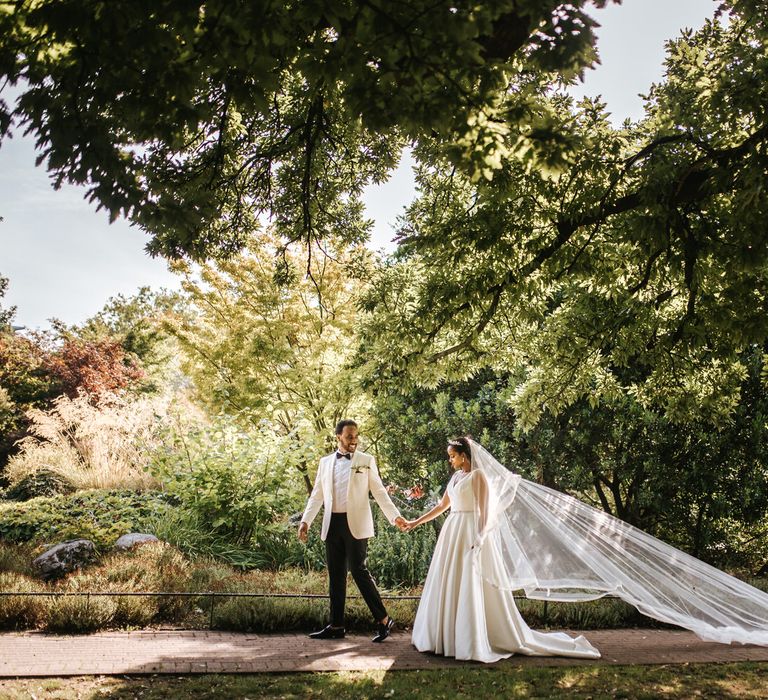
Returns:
<point x="101" y="516"/>
<point x="604" y="613"/>
<point x="269" y="614"/>
<point x="43" y="482"/>
<point x="79" y="615"/>
<point x="134" y="611"/>
<point x="400" y="558"/>
<point x="20" y="612"/>
<point x="235" y="485"/>
<point x="185" y="529"/>
<point x="16" y="559"/>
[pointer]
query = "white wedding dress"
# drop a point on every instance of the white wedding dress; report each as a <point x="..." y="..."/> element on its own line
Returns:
<point x="461" y="614"/>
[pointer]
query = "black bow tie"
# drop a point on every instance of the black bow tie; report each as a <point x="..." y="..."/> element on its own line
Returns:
<point x="340" y="455"/>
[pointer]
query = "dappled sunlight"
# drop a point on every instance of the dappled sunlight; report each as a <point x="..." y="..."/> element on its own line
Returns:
<point x="577" y="678"/>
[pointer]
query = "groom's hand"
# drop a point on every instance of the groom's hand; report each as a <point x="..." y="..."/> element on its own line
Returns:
<point x="400" y="523"/>
<point x="303" y="528"/>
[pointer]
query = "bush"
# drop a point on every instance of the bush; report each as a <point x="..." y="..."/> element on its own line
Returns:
<point x="16" y="559"/>
<point x="236" y="486"/>
<point x="400" y="558"/>
<point x="100" y="516"/>
<point x="43" y="482"/>
<point x="79" y="615"/>
<point x="21" y="612"/>
<point x="186" y="530"/>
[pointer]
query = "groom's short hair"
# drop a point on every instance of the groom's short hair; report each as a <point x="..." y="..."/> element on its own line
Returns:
<point x="343" y="424"/>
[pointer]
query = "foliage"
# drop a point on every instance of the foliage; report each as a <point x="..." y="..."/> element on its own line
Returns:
<point x="6" y="315"/>
<point x="42" y="482"/>
<point x="24" y="383"/>
<point x="38" y="367"/>
<point x="100" y="516"/>
<point x="415" y="425"/>
<point x="76" y="615"/>
<point x="400" y="558"/>
<point x="16" y="558"/>
<point x="192" y="121"/>
<point x="699" y="487"/>
<point x="136" y="322"/>
<point x="277" y="350"/>
<point x="95" y="367"/>
<point x="187" y="530"/>
<point x="703" y="489"/>
<point x="637" y="271"/>
<point x="149" y="567"/>
<point x="156" y="567"/>
<point x="91" y="446"/>
<point x="20" y="612"/>
<point x="238" y="485"/>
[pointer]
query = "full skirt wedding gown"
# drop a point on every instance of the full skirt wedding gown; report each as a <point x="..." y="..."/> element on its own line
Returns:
<point x="464" y="616"/>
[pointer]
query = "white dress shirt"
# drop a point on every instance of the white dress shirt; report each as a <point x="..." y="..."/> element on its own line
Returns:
<point x="341" y="472"/>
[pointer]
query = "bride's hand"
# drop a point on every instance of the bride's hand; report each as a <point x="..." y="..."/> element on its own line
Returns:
<point x="409" y="525"/>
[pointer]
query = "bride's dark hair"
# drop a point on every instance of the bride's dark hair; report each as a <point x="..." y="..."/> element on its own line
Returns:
<point x="461" y="445"/>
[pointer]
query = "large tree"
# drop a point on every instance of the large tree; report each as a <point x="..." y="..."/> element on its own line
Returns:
<point x="638" y="270"/>
<point x="192" y="118"/>
<point x="604" y="261"/>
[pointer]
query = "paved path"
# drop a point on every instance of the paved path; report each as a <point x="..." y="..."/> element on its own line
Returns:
<point x="171" y="651"/>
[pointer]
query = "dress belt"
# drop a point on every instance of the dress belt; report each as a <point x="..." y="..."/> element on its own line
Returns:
<point x="461" y="511"/>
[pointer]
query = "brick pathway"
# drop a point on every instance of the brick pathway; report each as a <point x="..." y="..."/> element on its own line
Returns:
<point x="170" y="651"/>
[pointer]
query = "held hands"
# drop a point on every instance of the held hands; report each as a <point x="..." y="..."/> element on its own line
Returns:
<point x="405" y="525"/>
<point x="408" y="525"/>
<point x="302" y="534"/>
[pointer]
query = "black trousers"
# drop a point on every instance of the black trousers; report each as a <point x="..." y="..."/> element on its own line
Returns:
<point x="345" y="553"/>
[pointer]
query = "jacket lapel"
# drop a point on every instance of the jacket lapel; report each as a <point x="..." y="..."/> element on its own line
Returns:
<point x="353" y="464"/>
<point x="328" y="475"/>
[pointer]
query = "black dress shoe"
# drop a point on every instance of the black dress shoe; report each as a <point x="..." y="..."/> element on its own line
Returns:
<point x="384" y="630"/>
<point x="328" y="633"/>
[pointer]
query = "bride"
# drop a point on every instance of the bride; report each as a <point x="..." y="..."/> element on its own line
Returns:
<point x="505" y="533"/>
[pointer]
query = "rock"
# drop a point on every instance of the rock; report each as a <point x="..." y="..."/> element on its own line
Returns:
<point x="134" y="538"/>
<point x="63" y="558"/>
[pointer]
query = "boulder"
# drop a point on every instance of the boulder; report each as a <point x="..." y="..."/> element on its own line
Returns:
<point x="133" y="539"/>
<point x="63" y="558"/>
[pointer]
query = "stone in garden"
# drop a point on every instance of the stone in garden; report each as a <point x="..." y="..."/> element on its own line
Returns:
<point x="134" y="538"/>
<point x="63" y="558"/>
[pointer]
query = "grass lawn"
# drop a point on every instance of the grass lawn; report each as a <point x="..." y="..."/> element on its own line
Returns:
<point x="716" y="681"/>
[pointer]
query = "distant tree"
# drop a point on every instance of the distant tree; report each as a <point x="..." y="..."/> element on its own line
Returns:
<point x="137" y="323"/>
<point x="273" y="350"/>
<point x="6" y="315"/>
<point x="95" y="367"/>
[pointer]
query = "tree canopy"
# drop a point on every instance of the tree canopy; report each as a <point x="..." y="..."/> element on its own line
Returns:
<point x="593" y="260"/>
<point x="639" y="268"/>
<point x="191" y="119"/>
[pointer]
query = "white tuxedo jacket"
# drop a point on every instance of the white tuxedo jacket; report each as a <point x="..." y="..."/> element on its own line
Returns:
<point x="363" y="480"/>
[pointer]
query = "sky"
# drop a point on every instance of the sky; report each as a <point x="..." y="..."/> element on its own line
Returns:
<point x="64" y="259"/>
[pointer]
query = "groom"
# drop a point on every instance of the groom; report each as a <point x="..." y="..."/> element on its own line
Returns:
<point x="343" y="482"/>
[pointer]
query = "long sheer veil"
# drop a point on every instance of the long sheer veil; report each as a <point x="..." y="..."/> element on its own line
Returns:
<point x="554" y="547"/>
